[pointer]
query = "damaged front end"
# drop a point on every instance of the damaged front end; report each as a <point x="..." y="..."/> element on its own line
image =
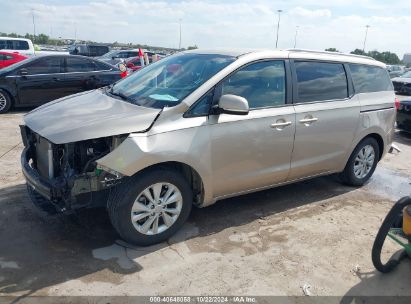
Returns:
<point x="65" y="177"/>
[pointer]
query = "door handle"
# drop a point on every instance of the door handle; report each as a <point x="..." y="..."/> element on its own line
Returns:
<point x="308" y="120"/>
<point x="281" y="124"/>
<point x="57" y="79"/>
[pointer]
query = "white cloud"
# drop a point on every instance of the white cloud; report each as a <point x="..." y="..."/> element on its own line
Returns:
<point x="307" y="13"/>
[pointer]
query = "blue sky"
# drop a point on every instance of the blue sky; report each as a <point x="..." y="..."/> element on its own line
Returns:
<point x="212" y="23"/>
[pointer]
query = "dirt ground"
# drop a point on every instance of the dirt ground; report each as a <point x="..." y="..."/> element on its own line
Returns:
<point x="316" y="232"/>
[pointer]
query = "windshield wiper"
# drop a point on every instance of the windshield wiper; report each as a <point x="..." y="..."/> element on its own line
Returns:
<point x="121" y="95"/>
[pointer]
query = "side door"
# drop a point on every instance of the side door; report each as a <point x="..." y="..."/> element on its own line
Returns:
<point x="40" y="81"/>
<point x="253" y="151"/>
<point x="79" y="75"/>
<point x="327" y="117"/>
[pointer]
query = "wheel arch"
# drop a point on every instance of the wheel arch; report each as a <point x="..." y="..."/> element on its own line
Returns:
<point x="8" y="92"/>
<point x="380" y="142"/>
<point x="188" y="172"/>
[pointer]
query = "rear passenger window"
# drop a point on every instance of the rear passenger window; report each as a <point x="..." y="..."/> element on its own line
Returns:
<point x="370" y="79"/>
<point x="75" y="64"/>
<point x="319" y="81"/>
<point x="262" y="84"/>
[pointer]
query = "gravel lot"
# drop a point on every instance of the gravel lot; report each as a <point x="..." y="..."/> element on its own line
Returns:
<point x="316" y="232"/>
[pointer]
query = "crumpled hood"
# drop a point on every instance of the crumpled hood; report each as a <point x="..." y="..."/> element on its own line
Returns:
<point x="88" y="115"/>
<point x="402" y="79"/>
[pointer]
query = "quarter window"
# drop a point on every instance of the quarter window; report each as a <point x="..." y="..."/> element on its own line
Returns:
<point x="319" y="81"/>
<point x="370" y="79"/>
<point x="262" y="84"/>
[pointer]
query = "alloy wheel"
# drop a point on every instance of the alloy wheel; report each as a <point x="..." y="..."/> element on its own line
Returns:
<point x="156" y="208"/>
<point x="364" y="161"/>
<point x="3" y="101"/>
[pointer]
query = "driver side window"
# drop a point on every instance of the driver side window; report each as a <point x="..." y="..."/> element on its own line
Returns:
<point x="262" y="84"/>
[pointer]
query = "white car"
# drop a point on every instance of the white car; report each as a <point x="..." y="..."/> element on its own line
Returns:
<point x="21" y="45"/>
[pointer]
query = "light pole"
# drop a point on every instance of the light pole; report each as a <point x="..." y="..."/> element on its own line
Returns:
<point x="34" y="26"/>
<point x="295" y="37"/>
<point x="179" y="43"/>
<point x="365" y="38"/>
<point x="278" y="26"/>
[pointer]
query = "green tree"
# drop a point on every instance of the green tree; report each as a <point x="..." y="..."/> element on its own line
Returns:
<point x="193" y="47"/>
<point x="358" y="52"/>
<point x="332" y="50"/>
<point x="42" y="39"/>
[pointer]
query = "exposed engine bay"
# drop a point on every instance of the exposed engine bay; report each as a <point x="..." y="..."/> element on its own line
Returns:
<point x="69" y="171"/>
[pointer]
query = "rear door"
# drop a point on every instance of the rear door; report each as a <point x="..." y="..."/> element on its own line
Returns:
<point x="327" y="116"/>
<point x="43" y="81"/>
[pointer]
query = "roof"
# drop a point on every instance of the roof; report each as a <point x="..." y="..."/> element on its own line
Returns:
<point x="294" y="54"/>
<point x="12" y="38"/>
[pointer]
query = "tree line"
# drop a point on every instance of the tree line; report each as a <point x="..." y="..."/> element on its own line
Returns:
<point x="386" y="57"/>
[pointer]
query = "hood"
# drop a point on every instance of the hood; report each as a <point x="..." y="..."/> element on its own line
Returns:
<point x="402" y="79"/>
<point x="88" y="115"/>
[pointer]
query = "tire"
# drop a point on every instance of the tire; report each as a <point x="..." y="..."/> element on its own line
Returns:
<point x="392" y="220"/>
<point x="5" y="102"/>
<point x="348" y="176"/>
<point x="124" y="196"/>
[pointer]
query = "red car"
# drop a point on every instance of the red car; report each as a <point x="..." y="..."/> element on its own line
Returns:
<point x="134" y="63"/>
<point x="7" y="59"/>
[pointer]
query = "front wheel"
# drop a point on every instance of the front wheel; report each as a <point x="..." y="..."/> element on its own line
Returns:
<point x="5" y="102"/>
<point x="149" y="208"/>
<point x="362" y="163"/>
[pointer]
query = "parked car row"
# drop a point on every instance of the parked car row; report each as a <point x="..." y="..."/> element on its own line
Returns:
<point x="395" y="70"/>
<point x="40" y="79"/>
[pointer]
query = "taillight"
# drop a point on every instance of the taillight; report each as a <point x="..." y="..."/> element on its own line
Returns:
<point x="123" y="74"/>
<point x="397" y="103"/>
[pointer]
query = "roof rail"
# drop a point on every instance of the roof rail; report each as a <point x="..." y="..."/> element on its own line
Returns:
<point x="329" y="53"/>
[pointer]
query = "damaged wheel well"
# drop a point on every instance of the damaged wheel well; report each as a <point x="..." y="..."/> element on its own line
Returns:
<point x="189" y="173"/>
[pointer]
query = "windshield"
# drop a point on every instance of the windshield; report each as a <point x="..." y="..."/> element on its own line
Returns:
<point x="168" y="81"/>
<point x="406" y="75"/>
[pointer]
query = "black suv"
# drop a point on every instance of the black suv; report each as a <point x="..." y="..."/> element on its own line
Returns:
<point x="90" y="50"/>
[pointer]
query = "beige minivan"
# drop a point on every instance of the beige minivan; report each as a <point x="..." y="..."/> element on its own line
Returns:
<point x="200" y="126"/>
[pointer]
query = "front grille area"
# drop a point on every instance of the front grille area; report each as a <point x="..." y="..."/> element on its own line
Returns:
<point x="41" y="147"/>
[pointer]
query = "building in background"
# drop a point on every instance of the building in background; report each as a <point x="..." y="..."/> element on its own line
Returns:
<point x="407" y="59"/>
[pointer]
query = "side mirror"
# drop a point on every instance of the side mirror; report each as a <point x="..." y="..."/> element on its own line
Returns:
<point x="233" y="104"/>
<point x="114" y="57"/>
<point x="23" y="72"/>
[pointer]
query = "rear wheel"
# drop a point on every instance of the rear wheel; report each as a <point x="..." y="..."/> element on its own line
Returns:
<point x="362" y="163"/>
<point x="150" y="207"/>
<point x="5" y="102"/>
